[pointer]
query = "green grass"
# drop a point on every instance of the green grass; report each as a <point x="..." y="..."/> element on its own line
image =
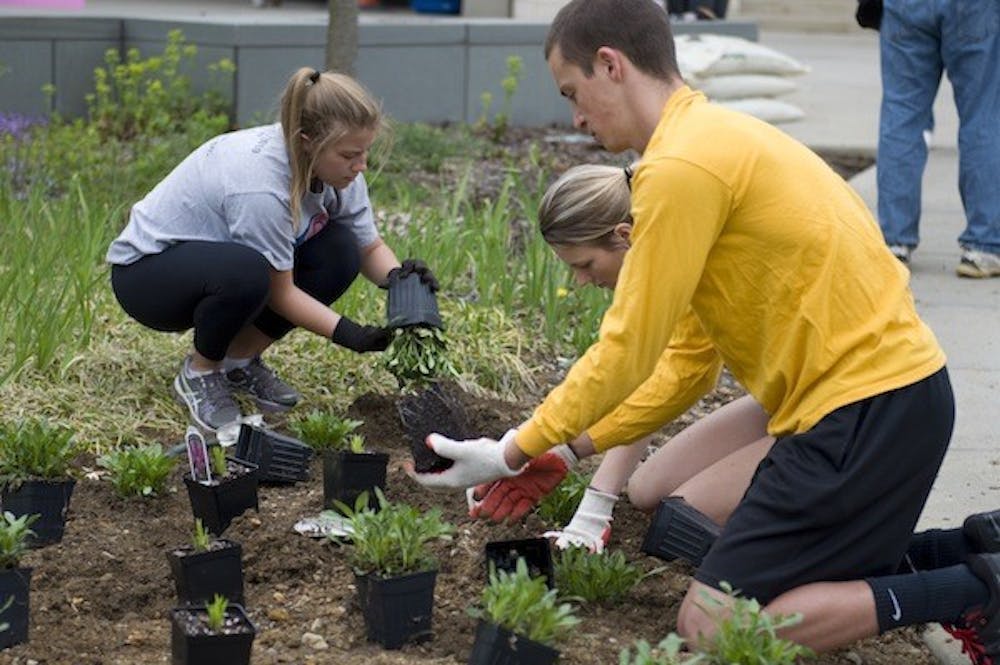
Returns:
<point x="70" y="355"/>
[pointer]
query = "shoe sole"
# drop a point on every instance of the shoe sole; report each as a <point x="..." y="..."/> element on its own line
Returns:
<point x="271" y="407"/>
<point x="179" y="394"/>
<point x="972" y="272"/>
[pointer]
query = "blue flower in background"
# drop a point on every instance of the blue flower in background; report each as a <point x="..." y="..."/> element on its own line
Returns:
<point x="17" y="124"/>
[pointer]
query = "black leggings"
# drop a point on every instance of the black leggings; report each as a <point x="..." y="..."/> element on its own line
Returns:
<point x="217" y="288"/>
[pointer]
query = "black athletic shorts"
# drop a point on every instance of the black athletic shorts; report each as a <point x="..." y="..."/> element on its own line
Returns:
<point x="840" y="501"/>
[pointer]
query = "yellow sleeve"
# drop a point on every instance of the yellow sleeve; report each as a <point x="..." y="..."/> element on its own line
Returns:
<point x="688" y="368"/>
<point x="679" y="210"/>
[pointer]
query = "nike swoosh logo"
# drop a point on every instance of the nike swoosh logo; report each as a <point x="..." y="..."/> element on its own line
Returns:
<point x="897" y="613"/>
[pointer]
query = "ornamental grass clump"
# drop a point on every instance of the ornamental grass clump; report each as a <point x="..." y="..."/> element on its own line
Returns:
<point x="138" y="471"/>
<point x="606" y="577"/>
<point x="325" y="431"/>
<point x="394" y="540"/>
<point x="525" y="605"/>
<point x="35" y="450"/>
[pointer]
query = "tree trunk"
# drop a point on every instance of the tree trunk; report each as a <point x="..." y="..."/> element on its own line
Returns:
<point x="342" y="36"/>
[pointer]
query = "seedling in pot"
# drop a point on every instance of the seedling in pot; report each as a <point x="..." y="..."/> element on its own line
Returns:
<point x="216" y="611"/>
<point x="15" y="581"/>
<point x="394" y="570"/>
<point x="201" y="538"/>
<point x="36" y="475"/>
<point x="138" y="471"/>
<point x="418" y="356"/>
<point x="220" y="467"/>
<point x="526" y="618"/>
<point x="324" y="431"/>
<point x="207" y="567"/>
<point x="393" y="540"/>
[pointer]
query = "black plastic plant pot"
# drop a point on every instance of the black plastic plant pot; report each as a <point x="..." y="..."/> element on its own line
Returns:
<point x="346" y="475"/>
<point x="192" y="642"/>
<point x="503" y="555"/>
<point x="498" y="646"/>
<point x="48" y="499"/>
<point x="680" y="531"/>
<point x="411" y="303"/>
<point x="397" y="610"/>
<point x="15" y="586"/>
<point x="427" y="411"/>
<point x="199" y="576"/>
<point x="279" y="458"/>
<point x="218" y="503"/>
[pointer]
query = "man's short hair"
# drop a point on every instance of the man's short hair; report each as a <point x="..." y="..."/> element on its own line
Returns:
<point x="638" y="28"/>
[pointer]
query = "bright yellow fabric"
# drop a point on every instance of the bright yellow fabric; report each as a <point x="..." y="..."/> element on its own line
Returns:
<point x="687" y="369"/>
<point x="780" y="260"/>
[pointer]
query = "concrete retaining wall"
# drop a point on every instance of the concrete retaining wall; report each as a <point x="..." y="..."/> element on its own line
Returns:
<point x="431" y="71"/>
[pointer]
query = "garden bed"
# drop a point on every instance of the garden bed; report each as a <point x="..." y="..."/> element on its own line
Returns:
<point x="102" y="595"/>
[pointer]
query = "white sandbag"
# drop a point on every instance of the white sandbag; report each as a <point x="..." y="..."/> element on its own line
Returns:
<point x="768" y="110"/>
<point x="712" y="55"/>
<point x="738" y="86"/>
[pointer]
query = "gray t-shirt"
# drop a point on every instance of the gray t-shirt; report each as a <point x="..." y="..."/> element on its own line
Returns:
<point x="234" y="188"/>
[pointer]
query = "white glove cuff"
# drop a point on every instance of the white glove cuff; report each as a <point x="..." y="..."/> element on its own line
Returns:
<point x="596" y="503"/>
<point x="566" y="454"/>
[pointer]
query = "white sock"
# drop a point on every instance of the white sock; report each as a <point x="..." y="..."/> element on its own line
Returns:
<point x="191" y="373"/>
<point x="234" y="363"/>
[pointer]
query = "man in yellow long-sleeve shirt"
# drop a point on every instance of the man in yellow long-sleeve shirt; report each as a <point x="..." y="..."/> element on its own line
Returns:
<point x="787" y="272"/>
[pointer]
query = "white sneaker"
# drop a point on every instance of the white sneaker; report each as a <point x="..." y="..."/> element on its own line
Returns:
<point x="901" y="252"/>
<point x="977" y="264"/>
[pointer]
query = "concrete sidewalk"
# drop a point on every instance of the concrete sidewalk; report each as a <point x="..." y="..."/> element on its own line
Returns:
<point x="841" y="97"/>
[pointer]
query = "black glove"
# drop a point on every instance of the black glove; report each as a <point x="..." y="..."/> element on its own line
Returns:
<point x="417" y="266"/>
<point x="869" y="14"/>
<point x="362" y="339"/>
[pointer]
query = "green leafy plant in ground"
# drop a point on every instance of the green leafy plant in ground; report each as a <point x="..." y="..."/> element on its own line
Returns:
<point x="393" y="541"/>
<point x="35" y="449"/>
<point x="745" y="635"/>
<point x="138" y="471"/>
<point x="497" y="128"/>
<point x="667" y="652"/>
<point x="216" y="611"/>
<point x="559" y="505"/>
<point x="525" y="605"/>
<point x="606" y="577"/>
<point x="324" y="431"/>
<point x="14" y="533"/>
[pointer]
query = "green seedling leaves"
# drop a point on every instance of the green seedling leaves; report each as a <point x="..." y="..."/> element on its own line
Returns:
<point x="325" y="431"/>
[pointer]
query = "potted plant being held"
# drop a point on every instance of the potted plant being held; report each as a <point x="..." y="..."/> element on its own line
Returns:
<point x="417" y="357"/>
<point x="15" y="581"/>
<point x="394" y="569"/>
<point x="520" y="620"/>
<point x="349" y="469"/>
<point x="35" y="476"/>
<point x="215" y="633"/>
<point x="209" y="566"/>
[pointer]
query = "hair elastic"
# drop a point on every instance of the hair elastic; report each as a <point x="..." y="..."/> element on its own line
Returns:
<point x="314" y="77"/>
<point x="628" y="176"/>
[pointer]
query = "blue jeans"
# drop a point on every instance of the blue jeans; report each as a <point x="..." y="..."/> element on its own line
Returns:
<point x="919" y="39"/>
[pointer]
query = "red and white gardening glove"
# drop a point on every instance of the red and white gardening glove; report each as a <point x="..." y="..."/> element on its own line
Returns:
<point x="513" y="498"/>
<point x="591" y="524"/>
<point x="476" y="461"/>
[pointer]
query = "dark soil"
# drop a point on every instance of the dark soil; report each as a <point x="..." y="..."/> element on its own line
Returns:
<point x="103" y="594"/>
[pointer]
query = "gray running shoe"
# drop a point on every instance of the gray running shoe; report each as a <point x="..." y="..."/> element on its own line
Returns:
<point x="263" y="385"/>
<point x="207" y="398"/>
